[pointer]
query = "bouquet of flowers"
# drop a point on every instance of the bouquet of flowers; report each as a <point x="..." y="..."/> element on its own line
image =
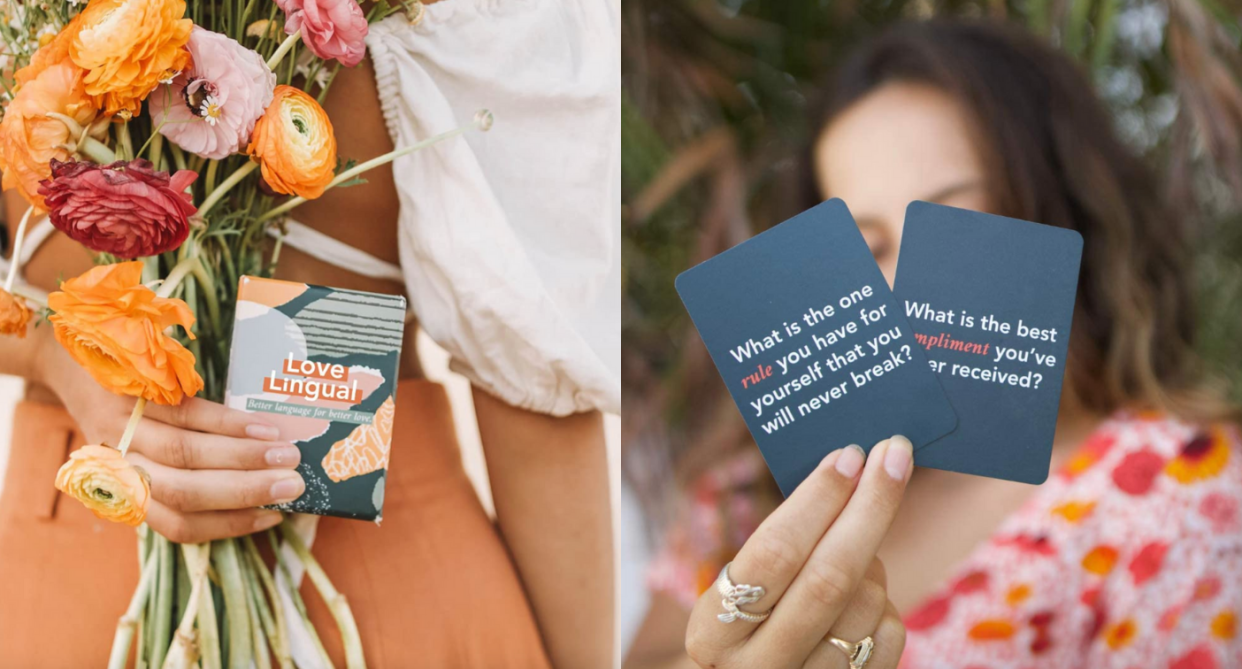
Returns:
<point x="168" y="141"/>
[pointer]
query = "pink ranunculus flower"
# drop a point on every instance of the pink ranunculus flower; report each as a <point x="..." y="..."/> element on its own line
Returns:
<point x="210" y="109"/>
<point x="125" y="208"/>
<point x="331" y="29"/>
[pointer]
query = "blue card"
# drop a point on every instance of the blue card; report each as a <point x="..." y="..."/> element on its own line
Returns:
<point x="991" y="301"/>
<point x="811" y="343"/>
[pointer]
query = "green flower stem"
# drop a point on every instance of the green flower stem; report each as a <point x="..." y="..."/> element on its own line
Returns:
<point x="229" y="266"/>
<point x="135" y="417"/>
<point x="17" y="249"/>
<point x="323" y="94"/>
<point x="127" y="625"/>
<point x="279" y="634"/>
<point x="236" y="617"/>
<point x="260" y="619"/>
<point x="176" y="276"/>
<point x="225" y="186"/>
<point x="126" y="145"/>
<point x="297" y="601"/>
<point x="161" y="615"/>
<point x="144" y="546"/>
<point x="178" y="156"/>
<point x="337" y="603"/>
<point x="208" y="629"/>
<point x="140" y="649"/>
<point x="209" y="295"/>
<point x="150" y="270"/>
<point x="283" y="49"/>
<point x="182" y="588"/>
<point x="195" y="345"/>
<point x="96" y="150"/>
<point x="182" y="653"/>
<point x="482" y="121"/>
<point x="242" y="22"/>
<point x="212" y="167"/>
<point x="156" y="150"/>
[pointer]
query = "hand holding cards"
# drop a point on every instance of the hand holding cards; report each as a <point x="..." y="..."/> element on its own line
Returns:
<point x="818" y="354"/>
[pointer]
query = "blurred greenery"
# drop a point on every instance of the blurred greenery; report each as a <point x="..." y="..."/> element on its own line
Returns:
<point x="715" y="96"/>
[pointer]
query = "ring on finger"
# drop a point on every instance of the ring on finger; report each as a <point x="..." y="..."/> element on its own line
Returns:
<point x="858" y="653"/>
<point x="738" y="594"/>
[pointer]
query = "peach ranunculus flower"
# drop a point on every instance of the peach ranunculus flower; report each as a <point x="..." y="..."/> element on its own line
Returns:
<point x="29" y="140"/>
<point x="128" y="47"/>
<point x="14" y="314"/>
<point x="295" y="144"/>
<point x="56" y="51"/>
<point x="114" y="327"/>
<point x="102" y="479"/>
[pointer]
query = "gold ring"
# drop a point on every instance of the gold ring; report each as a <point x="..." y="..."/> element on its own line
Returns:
<point x="858" y="653"/>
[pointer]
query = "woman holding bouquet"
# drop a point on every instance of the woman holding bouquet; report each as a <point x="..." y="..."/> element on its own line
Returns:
<point x="505" y="266"/>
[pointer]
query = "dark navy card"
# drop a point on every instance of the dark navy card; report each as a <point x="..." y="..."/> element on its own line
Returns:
<point x="810" y="342"/>
<point x="991" y="301"/>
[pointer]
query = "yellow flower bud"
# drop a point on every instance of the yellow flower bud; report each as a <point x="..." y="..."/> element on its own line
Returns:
<point x="103" y="480"/>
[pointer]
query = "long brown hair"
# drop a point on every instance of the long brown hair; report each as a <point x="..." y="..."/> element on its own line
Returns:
<point x="1052" y="156"/>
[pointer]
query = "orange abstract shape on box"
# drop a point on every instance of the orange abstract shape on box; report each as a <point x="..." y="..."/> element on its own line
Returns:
<point x="365" y="450"/>
<point x="271" y="292"/>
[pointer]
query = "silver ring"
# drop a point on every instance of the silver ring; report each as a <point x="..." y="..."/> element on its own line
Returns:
<point x="735" y="595"/>
<point x="858" y="653"/>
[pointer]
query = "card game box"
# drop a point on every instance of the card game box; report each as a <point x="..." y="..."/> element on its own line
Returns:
<point x="321" y="364"/>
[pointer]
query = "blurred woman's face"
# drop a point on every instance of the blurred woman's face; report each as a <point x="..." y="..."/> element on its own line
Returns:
<point x="899" y="143"/>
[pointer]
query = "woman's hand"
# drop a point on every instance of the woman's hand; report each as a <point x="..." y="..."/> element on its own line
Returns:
<point x="210" y="466"/>
<point x="815" y="557"/>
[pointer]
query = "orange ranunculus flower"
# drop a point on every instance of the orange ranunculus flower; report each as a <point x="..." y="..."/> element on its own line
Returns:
<point x="127" y="47"/>
<point x="102" y="479"/>
<point x="294" y="144"/>
<point x="14" y="314"/>
<point x="114" y="327"/>
<point x="29" y="140"/>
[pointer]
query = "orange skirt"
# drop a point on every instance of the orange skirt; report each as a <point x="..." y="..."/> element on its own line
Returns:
<point x="434" y="586"/>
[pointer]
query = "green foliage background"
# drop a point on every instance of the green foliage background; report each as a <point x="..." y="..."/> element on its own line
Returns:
<point x="714" y="105"/>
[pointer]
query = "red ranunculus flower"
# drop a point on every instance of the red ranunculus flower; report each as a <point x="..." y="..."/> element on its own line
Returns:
<point x="126" y="208"/>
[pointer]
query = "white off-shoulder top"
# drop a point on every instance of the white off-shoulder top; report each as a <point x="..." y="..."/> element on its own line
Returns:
<point x="509" y="240"/>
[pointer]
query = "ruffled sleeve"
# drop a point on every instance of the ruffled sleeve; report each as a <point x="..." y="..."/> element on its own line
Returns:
<point x="508" y="239"/>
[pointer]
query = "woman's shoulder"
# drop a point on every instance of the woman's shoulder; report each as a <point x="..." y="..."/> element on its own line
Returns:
<point x="1129" y="555"/>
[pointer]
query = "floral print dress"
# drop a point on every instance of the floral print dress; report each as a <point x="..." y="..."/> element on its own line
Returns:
<point x="1129" y="557"/>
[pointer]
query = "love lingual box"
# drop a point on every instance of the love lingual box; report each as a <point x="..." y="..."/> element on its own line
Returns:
<point x="321" y="364"/>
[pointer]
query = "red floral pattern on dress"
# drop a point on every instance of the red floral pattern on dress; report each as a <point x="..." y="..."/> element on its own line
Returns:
<point x="1130" y="556"/>
<point x="1147" y="570"/>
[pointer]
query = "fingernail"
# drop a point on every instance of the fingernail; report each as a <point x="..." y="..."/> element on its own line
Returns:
<point x="287" y="489"/>
<point x="266" y="520"/>
<point x="899" y="459"/>
<point x="262" y="431"/>
<point x="851" y="461"/>
<point x="283" y="456"/>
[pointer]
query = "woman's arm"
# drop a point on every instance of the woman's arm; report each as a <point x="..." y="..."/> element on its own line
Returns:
<point x="549" y="481"/>
<point x="20" y="356"/>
